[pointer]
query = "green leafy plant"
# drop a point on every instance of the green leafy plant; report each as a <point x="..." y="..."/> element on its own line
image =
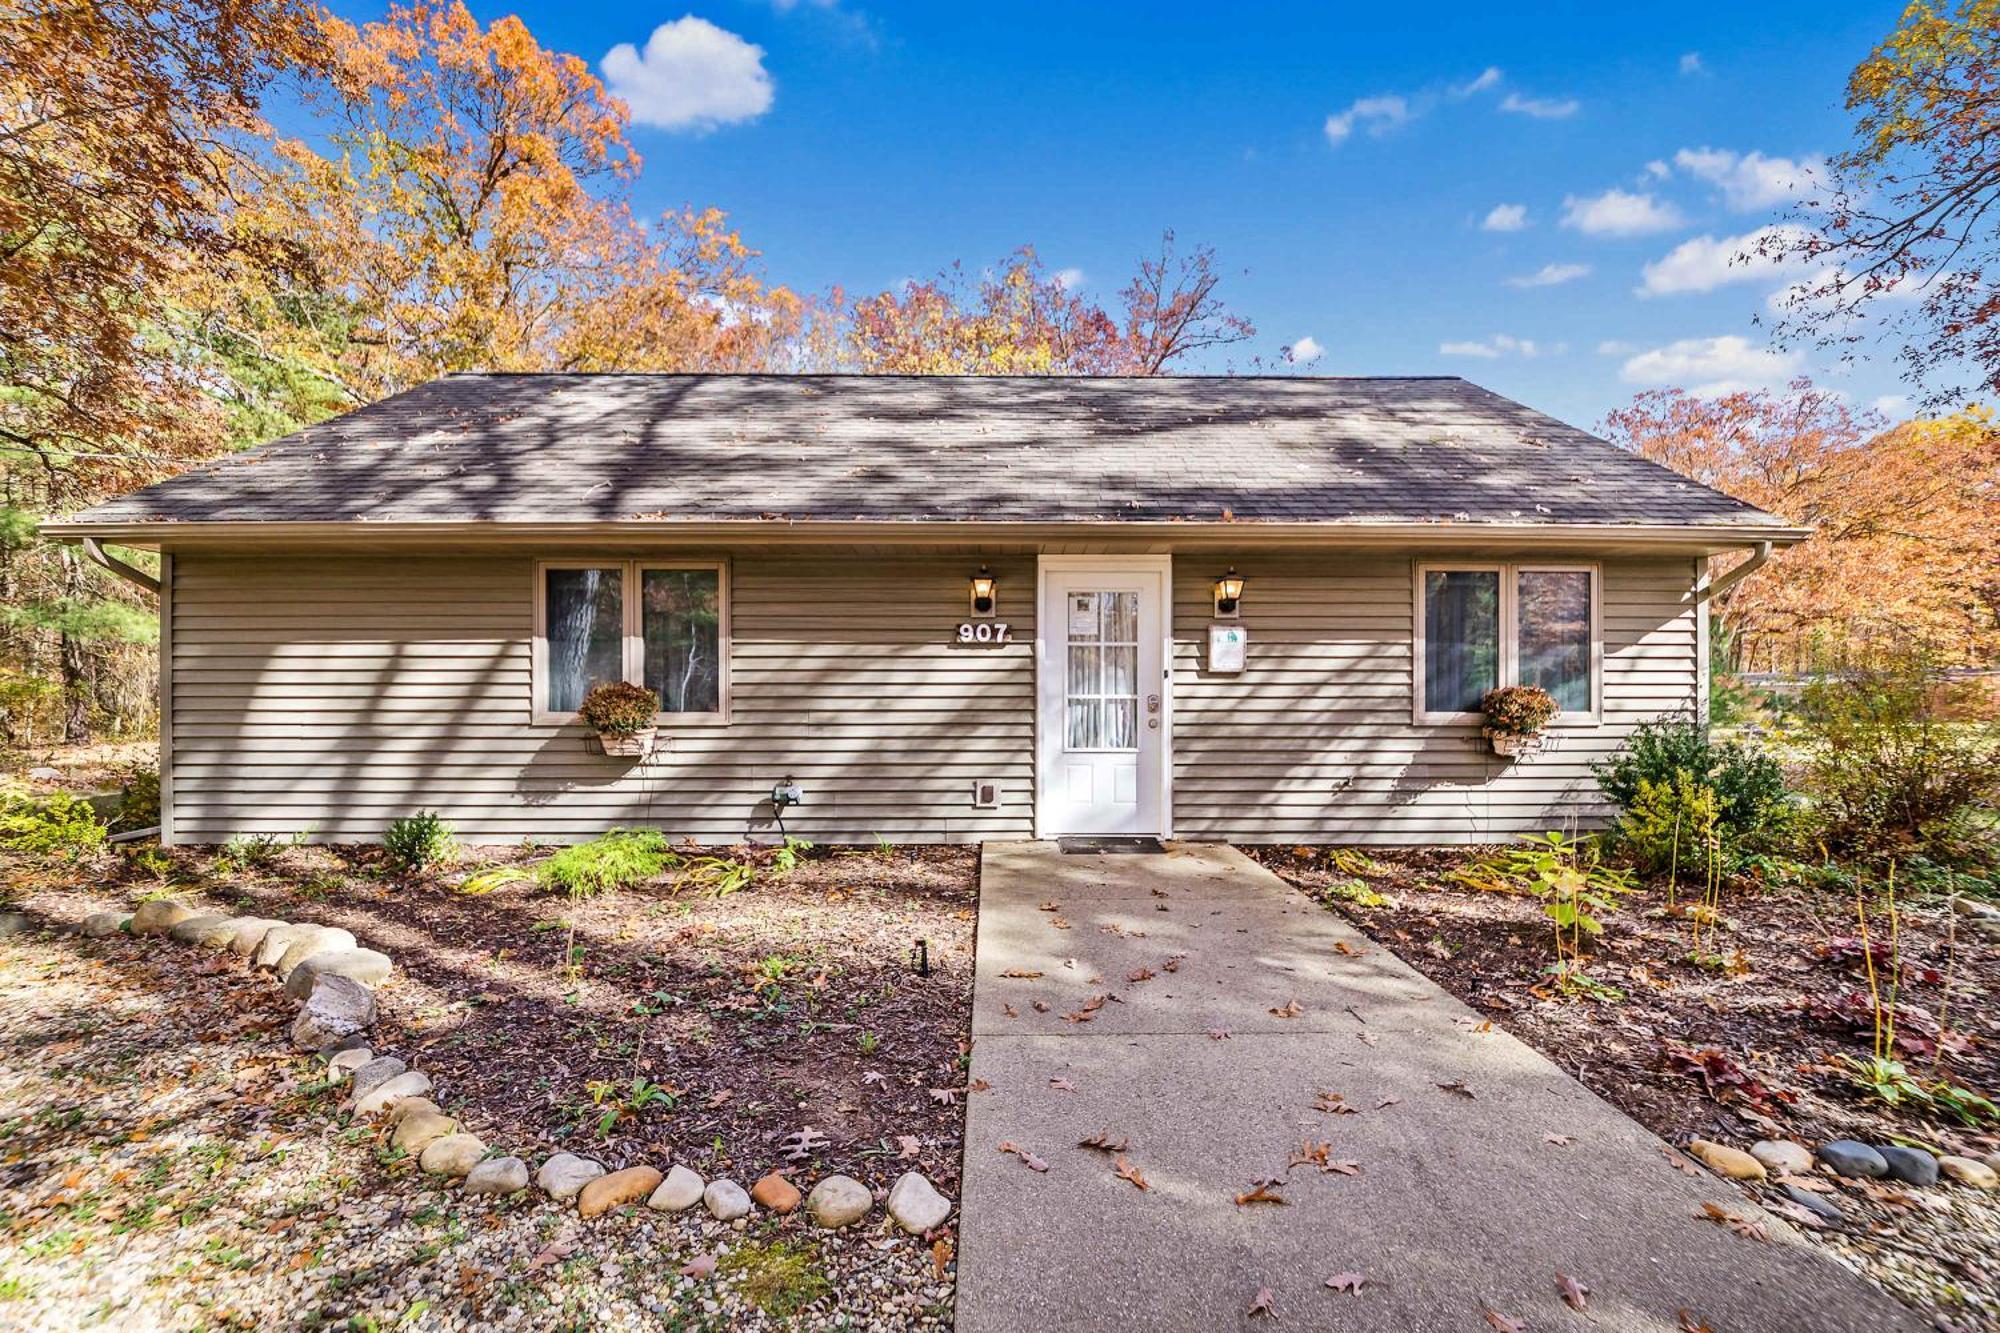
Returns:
<point x="619" y="708"/>
<point x="490" y="879"/>
<point x="1518" y="710"/>
<point x="785" y="858"/>
<point x="621" y="858"/>
<point x="141" y="806"/>
<point x="56" y="826"/>
<point x="256" y="851"/>
<point x="1749" y="785"/>
<point x="615" y="1103"/>
<point x="1576" y="890"/>
<point x="1669" y="823"/>
<point x="420" y="842"/>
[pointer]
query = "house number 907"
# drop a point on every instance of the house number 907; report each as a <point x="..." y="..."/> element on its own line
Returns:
<point x="983" y="631"/>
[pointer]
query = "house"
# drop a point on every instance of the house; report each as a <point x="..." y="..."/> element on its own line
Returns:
<point x="944" y="609"/>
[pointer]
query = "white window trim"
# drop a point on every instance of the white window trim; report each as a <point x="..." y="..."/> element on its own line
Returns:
<point x="1509" y="572"/>
<point x="634" y="647"/>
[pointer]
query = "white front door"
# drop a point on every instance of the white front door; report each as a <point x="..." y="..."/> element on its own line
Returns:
<point x="1104" y="697"/>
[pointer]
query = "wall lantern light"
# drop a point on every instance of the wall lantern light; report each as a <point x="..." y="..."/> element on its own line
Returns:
<point x="984" y="589"/>
<point x="1228" y="593"/>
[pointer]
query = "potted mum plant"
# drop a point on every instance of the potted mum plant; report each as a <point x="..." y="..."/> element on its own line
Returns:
<point x="622" y="715"/>
<point x="1515" y="717"/>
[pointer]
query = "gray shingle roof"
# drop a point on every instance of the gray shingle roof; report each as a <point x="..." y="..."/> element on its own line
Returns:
<point x="561" y="448"/>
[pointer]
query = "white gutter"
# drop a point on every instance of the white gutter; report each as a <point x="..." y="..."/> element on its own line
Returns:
<point x="1708" y="591"/>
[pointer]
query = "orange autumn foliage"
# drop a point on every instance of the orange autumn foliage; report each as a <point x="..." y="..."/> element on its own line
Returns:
<point x="1906" y="518"/>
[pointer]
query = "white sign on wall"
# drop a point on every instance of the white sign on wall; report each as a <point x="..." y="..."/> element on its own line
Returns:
<point x="1225" y="648"/>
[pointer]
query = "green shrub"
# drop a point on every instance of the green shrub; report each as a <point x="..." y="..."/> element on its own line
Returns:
<point x="1669" y="825"/>
<point x="420" y="842"/>
<point x="141" y="808"/>
<point x="1749" y="786"/>
<point x="1900" y="761"/>
<point x="619" y="859"/>
<point x="55" y="825"/>
<point x="254" y="851"/>
<point x="619" y="708"/>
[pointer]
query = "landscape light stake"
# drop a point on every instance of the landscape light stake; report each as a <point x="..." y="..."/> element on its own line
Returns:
<point x="922" y="956"/>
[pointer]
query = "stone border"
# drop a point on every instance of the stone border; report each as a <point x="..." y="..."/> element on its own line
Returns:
<point x="334" y="981"/>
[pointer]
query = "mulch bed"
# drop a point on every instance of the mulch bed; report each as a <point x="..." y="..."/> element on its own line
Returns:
<point x="1734" y="1053"/>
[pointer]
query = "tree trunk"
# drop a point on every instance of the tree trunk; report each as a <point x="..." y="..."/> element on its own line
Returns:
<point x="76" y="673"/>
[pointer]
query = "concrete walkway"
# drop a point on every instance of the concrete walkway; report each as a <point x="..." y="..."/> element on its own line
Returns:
<point x="1460" y="1203"/>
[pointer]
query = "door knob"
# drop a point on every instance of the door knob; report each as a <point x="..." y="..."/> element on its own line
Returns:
<point x="1152" y="703"/>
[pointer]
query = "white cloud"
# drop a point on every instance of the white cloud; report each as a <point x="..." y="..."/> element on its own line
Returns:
<point x="1615" y="347"/>
<point x="1069" y="279"/>
<point x="1691" y="63"/>
<point x="691" y="76"/>
<point x="1708" y="367"/>
<point x="1706" y="263"/>
<point x="1892" y="405"/>
<point x="1550" y="275"/>
<point x="1498" y="345"/>
<point x="1619" y="213"/>
<point x="1541" y="108"/>
<point x="1304" y="350"/>
<point x="1378" y="115"/>
<point x="1488" y="78"/>
<point x="1506" y="217"/>
<point x="1657" y="170"/>
<point x="1751" y="182"/>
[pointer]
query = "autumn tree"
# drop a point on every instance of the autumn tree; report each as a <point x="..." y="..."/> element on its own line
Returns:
<point x="1022" y="320"/>
<point x="1902" y="240"/>
<point x="1906" y="519"/>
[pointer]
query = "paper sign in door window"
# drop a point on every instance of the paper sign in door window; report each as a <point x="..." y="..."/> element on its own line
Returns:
<point x="1225" y="647"/>
<point x="1083" y="615"/>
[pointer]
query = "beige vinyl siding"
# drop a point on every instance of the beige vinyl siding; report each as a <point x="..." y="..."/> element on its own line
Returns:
<point x="1314" y="742"/>
<point x="333" y="694"/>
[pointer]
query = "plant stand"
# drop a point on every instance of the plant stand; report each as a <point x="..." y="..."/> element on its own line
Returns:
<point x="629" y="745"/>
<point x="1511" y="745"/>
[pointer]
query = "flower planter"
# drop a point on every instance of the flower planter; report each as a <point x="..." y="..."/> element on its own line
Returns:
<point x="627" y="745"/>
<point x="1510" y="744"/>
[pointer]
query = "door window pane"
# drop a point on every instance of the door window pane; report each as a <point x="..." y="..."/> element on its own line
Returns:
<point x="1101" y="693"/>
<point x="1461" y="638"/>
<point x="1553" y="613"/>
<point x="586" y="633"/>
<point x="681" y="627"/>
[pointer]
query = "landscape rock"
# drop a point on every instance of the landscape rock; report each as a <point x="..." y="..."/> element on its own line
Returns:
<point x="1823" y="1208"/>
<point x="1912" y="1166"/>
<point x="410" y="1106"/>
<point x="99" y="924"/>
<point x="452" y="1155"/>
<point x="271" y="947"/>
<point x="1732" y="1163"/>
<point x="335" y="1008"/>
<point x="159" y="916"/>
<point x="616" y="1190"/>
<point x="217" y="936"/>
<point x="1782" y="1156"/>
<point x="564" y="1175"/>
<point x="372" y="1074"/>
<point x="365" y="966"/>
<point x="305" y="946"/>
<point x="776" y="1193"/>
<point x="1992" y="1159"/>
<point x="499" y="1175"/>
<point x="43" y="773"/>
<point x="250" y="932"/>
<point x="838" y="1201"/>
<point x="726" y="1200"/>
<point x="414" y="1133"/>
<point x="915" y="1203"/>
<point x="1848" y="1158"/>
<point x="681" y="1190"/>
<point x="1966" y="1171"/>
<point x="13" y="923"/>
<point x="341" y="1064"/>
<point x="189" y="930"/>
<point x="410" y="1083"/>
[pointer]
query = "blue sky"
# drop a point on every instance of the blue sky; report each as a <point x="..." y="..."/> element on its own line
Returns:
<point x="1345" y="161"/>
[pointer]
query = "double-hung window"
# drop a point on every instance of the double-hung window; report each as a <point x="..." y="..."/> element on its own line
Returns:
<point x="661" y="624"/>
<point x="1480" y="626"/>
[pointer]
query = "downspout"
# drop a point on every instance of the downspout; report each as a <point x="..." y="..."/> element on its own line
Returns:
<point x="98" y="556"/>
<point x="105" y="560"/>
<point x="1758" y="559"/>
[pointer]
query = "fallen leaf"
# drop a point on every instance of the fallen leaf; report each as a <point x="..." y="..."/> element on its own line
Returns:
<point x="1124" y="1170"/>
<point x="1332" y="1103"/>
<point x="1020" y="974"/>
<point x="1051" y="907"/>
<point x="873" y="1077"/>
<point x="1345" y="949"/>
<point x="1691" y="1323"/>
<point x="1558" y="1140"/>
<point x="1062" y="1085"/>
<point x="1291" y="1010"/>
<point x="979" y="1085"/>
<point x="1139" y="974"/>
<point x="1681" y="1163"/>
<point x="699" y="1267"/>
<point x="1388" y="1101"/>
<point x="1747" y="1227"/>
<point x="1348" y="1282"/>
<point x="562" y="1247"/>
<point x="1080" y="1016"/>
<point x="1010" y="1011"/>
<point x="940" y="1257"/>
<point x="1262" y="1305"/>
<point x="1310" y="1154"/>
<point x="1218" y="1034"/>
<point x="1462" y="1089"/>
<point x="908" y="1145"/>
<point x="1365" y="1038"/>
<point x="1105" y="1143"/>
<point x="1173" y="964"/>
<point x="945" y="1096"/>
<point x="1505" y="1323"/>
<point x="1261" y="1193"/>
<point x="1575" y="1295"/>
<point x="1041" y="1006"/>
<point x="1058" y="923"/>
<point x="1028" y="1159"/>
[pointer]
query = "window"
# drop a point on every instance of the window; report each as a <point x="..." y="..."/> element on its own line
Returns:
<point x="664" y="625"/>
<point x="1480" y="626"/>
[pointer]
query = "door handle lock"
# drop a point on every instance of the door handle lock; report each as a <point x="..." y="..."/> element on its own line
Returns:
<point x="1152" y="703"/>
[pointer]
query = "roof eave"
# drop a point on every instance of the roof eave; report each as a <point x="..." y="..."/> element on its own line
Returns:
<point x="1677" y="536"/>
